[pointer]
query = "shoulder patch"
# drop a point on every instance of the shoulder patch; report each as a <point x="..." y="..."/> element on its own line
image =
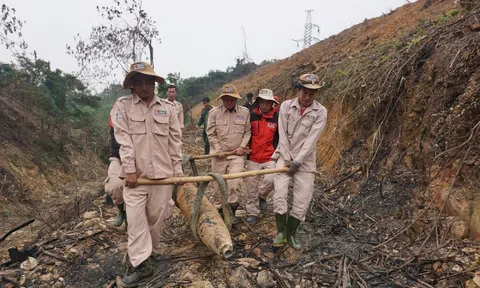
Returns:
<point x="244" y="108"/>
<point x="214" y="109"/>
<point x="118" y="115"/>
<point x="166" y="101"/>
<point x="125" y="98"/>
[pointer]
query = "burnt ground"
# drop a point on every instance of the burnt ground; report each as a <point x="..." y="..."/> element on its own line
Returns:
<point x="348" y="221"/>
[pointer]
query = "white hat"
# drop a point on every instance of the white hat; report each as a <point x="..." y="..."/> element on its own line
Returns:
<point x="266" y="94"/>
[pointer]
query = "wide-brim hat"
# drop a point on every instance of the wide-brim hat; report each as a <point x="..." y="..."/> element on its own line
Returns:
<point x="140" y="68"/>
<point x="229" y="90"/>
<point x="310" y="81"/>
<point x="266" y="94"/>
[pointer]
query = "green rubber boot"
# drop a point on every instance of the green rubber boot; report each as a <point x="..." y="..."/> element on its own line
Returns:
<point x="141" y="273"/>
<point x="281" y="220"/>
<point x="292" y="226"/>
<point x="121" y="216"/>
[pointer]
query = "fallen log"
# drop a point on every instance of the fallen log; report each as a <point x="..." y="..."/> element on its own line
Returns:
<point x="211" y="229"/>
<point x="207" y="178"/>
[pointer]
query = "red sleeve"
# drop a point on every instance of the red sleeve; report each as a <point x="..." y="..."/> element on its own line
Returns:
<point x="110" y="116"/>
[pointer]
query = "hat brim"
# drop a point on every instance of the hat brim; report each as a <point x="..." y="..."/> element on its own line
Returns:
<point x="230" y="94"/>
<point x="127" y="83"/>
<point x="313" y="86"/>
<point x="267" y="99"/>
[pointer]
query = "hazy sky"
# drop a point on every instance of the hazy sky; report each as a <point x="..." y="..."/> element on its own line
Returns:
<point x="197" y="36"/>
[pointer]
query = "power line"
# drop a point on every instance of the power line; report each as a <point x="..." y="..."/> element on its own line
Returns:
<point x="307" y="33"/>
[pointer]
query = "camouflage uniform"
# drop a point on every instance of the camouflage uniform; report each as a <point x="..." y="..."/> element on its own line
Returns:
<point x="203" y="121"/>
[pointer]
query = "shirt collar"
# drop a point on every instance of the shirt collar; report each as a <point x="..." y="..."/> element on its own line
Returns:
<point x="315" y="105"/>
<point x="137" y="99"/>
<point x="224" y="109"/>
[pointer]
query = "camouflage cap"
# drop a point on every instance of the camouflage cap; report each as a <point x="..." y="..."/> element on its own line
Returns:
<point x="229" y="90"/>
<point x="310" y="81"/>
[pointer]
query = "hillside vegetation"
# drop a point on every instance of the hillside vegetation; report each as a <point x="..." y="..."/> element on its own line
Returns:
<point x="403" y="99"/>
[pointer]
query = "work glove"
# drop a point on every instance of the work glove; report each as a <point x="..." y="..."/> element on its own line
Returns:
<point x="275" y="157"/>
<point x="293" y="168"/>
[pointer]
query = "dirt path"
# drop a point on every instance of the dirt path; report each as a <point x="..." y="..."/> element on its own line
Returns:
<point x="343" y="227"/>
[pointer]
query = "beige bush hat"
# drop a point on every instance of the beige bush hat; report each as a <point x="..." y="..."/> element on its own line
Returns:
<point x="142" y="68"/>
<point x="229" y="90"/>
<point x="266" y="94"/>
<point x="310" y="81"/>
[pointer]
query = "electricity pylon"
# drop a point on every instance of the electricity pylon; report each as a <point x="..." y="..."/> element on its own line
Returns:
<point x="307" y="33"/>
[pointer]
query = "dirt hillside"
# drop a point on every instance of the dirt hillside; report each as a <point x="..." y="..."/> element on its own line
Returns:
<point x="37" y="181"/>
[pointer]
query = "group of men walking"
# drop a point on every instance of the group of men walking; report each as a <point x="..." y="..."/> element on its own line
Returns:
<point x="146" y="142"/>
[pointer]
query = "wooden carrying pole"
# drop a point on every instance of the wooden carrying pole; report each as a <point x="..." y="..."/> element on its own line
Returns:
<point x="214" y="155"/>
<point x="197" y="179"/>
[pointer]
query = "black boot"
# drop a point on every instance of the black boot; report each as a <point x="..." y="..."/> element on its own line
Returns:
<point x="281" y="220"/>
<point x="234" y="208"/>
<point x="141" y="273"/>
<point x="252" y="219"/>
<point x="263" y="204"/>
<point x="292" y="226"/>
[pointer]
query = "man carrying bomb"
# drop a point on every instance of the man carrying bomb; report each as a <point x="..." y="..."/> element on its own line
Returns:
<point x="228" y="129"/>
<point x="148" y="131"/>
<point x="301" y="121"/>
<point x="264" y="121"/>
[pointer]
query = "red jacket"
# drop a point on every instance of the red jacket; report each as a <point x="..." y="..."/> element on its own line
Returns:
<point x="264" y="139"/>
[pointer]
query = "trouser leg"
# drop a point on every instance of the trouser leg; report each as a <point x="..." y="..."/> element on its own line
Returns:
<point x="266" y="185"/>
<point x="303" y="183"/>
<point x="281" y="181"/>
<point x="253" y="207"/>
<point x="219" y="165"/>
<point x="113" y="184"/>
<point x="236" y="164"/>
<point x="139" y="239"/>
<point x="158" y="210"/>
<point x="206" y="143"/>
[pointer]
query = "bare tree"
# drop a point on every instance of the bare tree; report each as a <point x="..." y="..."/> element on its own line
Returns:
<point x="125" y="37"/>
<point x="10" y="25"/>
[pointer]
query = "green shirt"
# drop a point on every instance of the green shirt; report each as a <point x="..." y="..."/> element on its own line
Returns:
<point x="204" y="117"/>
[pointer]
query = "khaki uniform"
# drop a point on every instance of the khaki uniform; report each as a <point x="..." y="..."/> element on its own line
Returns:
<point x="179" y="109"/>
<point x="298" y="136"/>
<point x="113" y="183"/>
<point x="226" y="132"/>
<point x="150" y="147"/>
